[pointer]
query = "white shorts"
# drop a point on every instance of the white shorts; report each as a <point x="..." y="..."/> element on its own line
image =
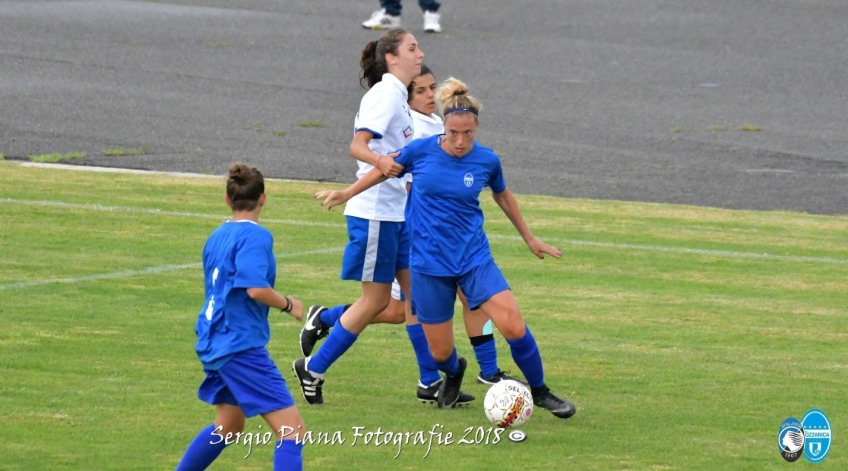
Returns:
<point x="397" y="293"/>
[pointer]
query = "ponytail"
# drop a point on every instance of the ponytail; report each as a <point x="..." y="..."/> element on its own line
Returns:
<point x="373" y="59"/>
<point x="372" y="69"/>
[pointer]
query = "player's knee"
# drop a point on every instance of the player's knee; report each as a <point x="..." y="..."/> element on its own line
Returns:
<point x="441" y="353"/>
<point x="295" y="431"/>
<point x="396" y="313"/>
<point x="230" y="427"/>
<point x="513" y="329"/>
<point x="376" y="305"/>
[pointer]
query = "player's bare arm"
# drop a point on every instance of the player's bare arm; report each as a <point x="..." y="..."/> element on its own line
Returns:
<point x="333" y="198"/>
<point x="359" y="150"/>
<point x="270" y="297"/>
<point x="509" y="205"/>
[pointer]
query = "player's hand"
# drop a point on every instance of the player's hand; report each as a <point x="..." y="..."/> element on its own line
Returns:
<point x="331" y="198"/>
<point x="540" y="248"/>
<point x="388" y="166"/>
<point x="297" y="308"/>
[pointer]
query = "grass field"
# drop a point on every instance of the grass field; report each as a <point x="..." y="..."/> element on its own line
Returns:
<point x="684" y="335"/>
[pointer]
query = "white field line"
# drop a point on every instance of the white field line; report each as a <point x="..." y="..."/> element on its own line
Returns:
<point x="146" y="271"/>
<point x="133" y="210"/>
<point x="687" y="250"/>
<point x="165" y="268"/>
<point x="91" y="168"/>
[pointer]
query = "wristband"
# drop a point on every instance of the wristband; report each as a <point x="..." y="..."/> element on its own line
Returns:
<point x="289" y="306"/>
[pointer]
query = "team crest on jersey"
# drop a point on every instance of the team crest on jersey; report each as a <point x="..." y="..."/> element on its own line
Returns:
<point x="468" y="179"/>
<point x="407" y="132"/>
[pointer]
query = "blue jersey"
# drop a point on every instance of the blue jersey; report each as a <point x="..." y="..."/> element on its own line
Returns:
<point x="238" y="255"/>
<point x="445" y="220"/>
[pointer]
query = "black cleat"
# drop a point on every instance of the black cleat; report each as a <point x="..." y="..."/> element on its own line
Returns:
<point x="314" y="330"/>
<point x="449" y="389"/>
<point x="557" y="406"/>
<point x="496" y="378"/>
<point x="310" y="386"/>
<point x="430" y="394"/>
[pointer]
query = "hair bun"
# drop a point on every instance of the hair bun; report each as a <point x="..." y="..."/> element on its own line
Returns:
<point x="453" y="93"/>
<point x="238" y="172"/>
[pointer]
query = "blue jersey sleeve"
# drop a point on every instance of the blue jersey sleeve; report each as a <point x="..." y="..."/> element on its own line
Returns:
<point x="496" y="180"/>
<point x="253" y="261"/>
<point x="407" y="157"/>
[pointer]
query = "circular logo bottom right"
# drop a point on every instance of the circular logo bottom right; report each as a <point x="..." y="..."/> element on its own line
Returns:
<point x="817" y="435"/>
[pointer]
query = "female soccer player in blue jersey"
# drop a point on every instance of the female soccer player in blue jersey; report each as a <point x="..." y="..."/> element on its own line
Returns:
<point x="422" y="100"/>
<point x="232" y="332"/>
<point x="422" y="103"/>
<point x="378" y="248"/>
<point x="449" y="248"/>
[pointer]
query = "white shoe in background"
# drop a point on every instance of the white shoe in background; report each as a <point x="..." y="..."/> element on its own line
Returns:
<point x="382" y="20"/>
<point x="431" y="22"/>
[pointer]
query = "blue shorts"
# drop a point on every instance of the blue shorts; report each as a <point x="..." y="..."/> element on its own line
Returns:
<point x="375" y="250"/>
<point x="433" y="297"/>
<point x="249" y="380"/>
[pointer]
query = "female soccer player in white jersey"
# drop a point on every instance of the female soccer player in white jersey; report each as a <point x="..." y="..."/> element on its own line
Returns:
<point x="449" y="248"/>
<point x="378" y="248"/>
<point x="232" y="332"/>
<point x="422" y="101"/>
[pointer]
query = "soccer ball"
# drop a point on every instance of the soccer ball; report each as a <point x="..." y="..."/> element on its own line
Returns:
<point x="508" y="403"/>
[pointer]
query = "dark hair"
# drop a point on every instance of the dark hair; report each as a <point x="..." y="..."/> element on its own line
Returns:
<point x="244" y="187"/>
<point x="424" y="71"/>
<point x="373" y="61"/>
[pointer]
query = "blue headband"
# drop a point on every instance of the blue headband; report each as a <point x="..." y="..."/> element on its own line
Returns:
<point x="460" y="110"/>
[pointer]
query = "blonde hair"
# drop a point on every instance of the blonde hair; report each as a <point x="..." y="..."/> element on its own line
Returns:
<point x="452" y="96"/>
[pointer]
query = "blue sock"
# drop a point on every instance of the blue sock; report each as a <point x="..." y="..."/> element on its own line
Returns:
<point x="525" y="352"/>
<point x="202" y="452"/>
<point x="288" y="456"/>
<point x="451" y="365"/>
<point x="428" y="372"/>
<point x="330" y="316"/>
<point x="486" y="354"/>
<point x="339" y="340"/>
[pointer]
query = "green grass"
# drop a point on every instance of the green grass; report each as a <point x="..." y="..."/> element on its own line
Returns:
<point x="52" y="158"/>
<point x="684" y="335"/>
<point x="120" y="152"/>
<point x="311" y="124"/>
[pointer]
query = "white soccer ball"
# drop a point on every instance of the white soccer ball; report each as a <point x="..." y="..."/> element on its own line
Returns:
<point x="508" y="403"/>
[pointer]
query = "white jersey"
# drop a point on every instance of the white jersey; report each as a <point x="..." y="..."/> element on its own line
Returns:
<point x="385" y="113"/>
<point x="426" y="126"/>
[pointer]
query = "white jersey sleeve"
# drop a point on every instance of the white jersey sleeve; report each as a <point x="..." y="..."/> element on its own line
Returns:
<point x="426" y="126"/>
<point x="385" y="113"/>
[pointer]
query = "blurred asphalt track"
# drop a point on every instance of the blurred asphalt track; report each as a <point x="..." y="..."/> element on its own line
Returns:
<point x="637" y="100"/>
